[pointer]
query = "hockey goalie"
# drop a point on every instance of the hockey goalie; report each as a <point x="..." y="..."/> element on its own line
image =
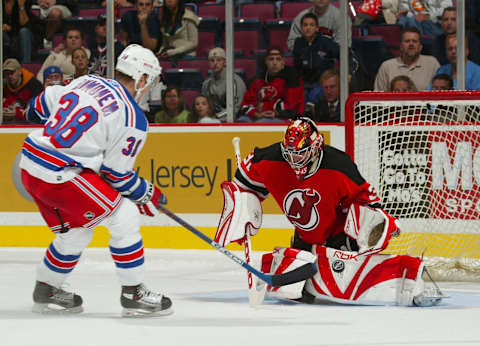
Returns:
<point x="339" y="224"/>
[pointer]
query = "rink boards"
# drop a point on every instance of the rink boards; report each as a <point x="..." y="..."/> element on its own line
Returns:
<point x="187" y="162"/>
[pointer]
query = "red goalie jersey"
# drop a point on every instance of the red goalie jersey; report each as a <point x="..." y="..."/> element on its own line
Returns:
<point x="315" y="205"/>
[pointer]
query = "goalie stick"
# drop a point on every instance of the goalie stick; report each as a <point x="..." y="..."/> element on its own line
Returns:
<point x="301" y="273"/>
<point x="256" y="291"/>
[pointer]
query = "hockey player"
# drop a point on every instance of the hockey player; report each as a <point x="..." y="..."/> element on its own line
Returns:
<point x="337" y="218"/>
<point x="79" y="170"/>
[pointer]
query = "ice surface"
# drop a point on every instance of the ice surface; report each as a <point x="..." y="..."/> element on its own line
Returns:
<point x="211" y="308"/>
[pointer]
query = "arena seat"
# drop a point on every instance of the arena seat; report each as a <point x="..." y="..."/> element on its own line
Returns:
<point x="261" y="10"/>
<point x="208" y="35"/>
<point x="200" y="63"/>
<point x="248" y="35"/>
<point x="289" y="10"/>
<point x="277" y="32"/>
<point x="212" y="10"/>
<point x="189" y="78"/>
<point x="372" y="52"/>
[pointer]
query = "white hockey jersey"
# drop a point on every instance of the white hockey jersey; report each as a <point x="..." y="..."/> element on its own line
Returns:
<point x="91" y="123"/>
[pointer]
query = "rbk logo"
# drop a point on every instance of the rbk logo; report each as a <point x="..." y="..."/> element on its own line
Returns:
<point x="300" y="208"/>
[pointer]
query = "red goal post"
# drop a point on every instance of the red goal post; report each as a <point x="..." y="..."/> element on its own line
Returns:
<point x="421" y="151"/>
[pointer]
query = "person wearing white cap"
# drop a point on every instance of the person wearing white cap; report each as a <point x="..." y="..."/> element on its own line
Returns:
<point x="215" y="87"/>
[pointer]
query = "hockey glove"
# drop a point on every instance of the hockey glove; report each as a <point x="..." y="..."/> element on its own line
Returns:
<point x="149" y="204"/>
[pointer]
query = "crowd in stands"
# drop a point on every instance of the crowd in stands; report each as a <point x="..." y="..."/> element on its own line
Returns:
<point x="286" y="61"/>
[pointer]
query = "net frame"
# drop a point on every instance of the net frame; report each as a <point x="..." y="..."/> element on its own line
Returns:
<point x="428" y="129"/>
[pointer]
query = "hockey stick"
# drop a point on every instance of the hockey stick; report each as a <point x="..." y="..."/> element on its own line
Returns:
<point x="301" y="273"/>
<point x="255" y="294"/>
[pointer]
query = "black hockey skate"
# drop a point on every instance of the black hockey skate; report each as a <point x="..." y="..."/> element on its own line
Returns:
<point x="50" y="299"/>
<point x="138" y="301"/>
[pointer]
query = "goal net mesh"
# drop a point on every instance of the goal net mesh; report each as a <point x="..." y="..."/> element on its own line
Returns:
<point x="421" y="151"/>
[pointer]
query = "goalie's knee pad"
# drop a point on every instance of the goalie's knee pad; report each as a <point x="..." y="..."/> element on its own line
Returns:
<point x="242" y="212"/>
<point x="350" y="278"/>
<point x="284" y="260"/>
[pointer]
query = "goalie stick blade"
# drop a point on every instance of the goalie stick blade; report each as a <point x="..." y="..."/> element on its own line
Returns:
<point x="256" y="294"/>
<point x="301" y="273"/>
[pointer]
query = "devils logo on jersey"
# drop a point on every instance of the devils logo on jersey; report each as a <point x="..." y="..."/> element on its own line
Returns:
<point x="300" y="208"/>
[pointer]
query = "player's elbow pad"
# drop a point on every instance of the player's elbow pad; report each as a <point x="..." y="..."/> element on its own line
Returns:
<point x="372" y="228"/>
<point x="242" y="212"/>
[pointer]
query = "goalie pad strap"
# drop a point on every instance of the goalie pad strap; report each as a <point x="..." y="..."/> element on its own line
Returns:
<point x="242" y="212"/>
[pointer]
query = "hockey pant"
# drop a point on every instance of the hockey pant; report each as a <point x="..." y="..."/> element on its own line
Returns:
<point x="345" y="277"/>
<point x="71" y="210"/>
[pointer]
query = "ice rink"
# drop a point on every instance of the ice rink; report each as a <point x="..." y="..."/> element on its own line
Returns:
<point x="211" y="308"/>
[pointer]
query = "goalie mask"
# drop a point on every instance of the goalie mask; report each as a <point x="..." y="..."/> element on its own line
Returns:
<point x="135" y="61"/>
<point x="302" y="145"/>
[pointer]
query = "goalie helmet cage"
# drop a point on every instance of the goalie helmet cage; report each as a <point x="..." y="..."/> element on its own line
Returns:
<point x="421" y="151"/>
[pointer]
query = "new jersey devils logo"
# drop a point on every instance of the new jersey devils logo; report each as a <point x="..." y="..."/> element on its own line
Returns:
<point x="300" y="208"/>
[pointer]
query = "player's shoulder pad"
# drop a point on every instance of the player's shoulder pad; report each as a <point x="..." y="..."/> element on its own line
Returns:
<point x="338" y="160"/>
<point x="271" y="153"/>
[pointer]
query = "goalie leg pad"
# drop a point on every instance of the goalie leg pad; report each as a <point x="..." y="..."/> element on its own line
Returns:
<point x="284" y="260"/>
<point x="242" y="212"/>
<point x="346" y="277"/>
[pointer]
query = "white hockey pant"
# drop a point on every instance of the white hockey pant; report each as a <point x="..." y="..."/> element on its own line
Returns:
<point x="126" y="248"/>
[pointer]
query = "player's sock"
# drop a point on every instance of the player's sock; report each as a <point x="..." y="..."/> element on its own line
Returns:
<point x="50" y="299"/>
<point x="140" y="301"/>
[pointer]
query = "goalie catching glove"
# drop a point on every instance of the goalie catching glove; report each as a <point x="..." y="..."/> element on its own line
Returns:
<point x="242" y="212"/>
<point x="372" y="228"/>
<point x="149" y="203"/>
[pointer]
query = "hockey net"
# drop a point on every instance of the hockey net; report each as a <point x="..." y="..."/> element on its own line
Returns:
<point x="421" y="151"/>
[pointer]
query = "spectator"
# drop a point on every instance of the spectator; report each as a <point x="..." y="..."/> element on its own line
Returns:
<point x="80" y="62"/>
<point x="276" y="95"/>
<point x="140" y="26"/>
<point x="390" y="9"/>
<point x="327" y="109"/>
<point x="202" y="111"/>
<point x="21" y="86"/>
<point x="52" y="75"/>
<point x="442" y="82"/>
<point x="179" y="29"/>
<point x="174" y="110"/>
<point x="472" y="70"/>
<point x="52" y="16"/>
<point x="369" y="12"/>
<point x="20" y="30"/>
<point x="402" y="84"/>
<point x="420" y="68"/>
<point x="449" y="26"/>
<point x="63" y="58"/>
<point x="313" y="53"/>
<point x="215" y="87"/>
<point x="98" y="47"/>
<point x="423" y="15"/>
<point x="329" y="20"/>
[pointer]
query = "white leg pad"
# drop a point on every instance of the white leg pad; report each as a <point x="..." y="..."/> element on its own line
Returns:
<point x="376" y="279"/>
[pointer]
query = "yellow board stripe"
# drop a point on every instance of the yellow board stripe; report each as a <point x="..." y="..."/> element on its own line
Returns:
<point x="176" y="237"/>
<point x="169" y="237"/>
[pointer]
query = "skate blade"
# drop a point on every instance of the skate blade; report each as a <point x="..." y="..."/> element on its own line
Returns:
<point x="54" y="309"/>
<point x="139" y="313"/>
